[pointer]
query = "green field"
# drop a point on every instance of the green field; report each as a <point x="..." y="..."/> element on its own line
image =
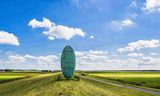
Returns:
<point x="145" y="79"/>
<point x="10" y="76"/>
<point x="47" y="84"/>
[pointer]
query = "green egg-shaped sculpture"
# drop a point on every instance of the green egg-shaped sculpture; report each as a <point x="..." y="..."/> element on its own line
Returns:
<point x="68" y="62"/>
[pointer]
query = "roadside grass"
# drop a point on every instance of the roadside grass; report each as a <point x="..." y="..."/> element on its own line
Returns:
<point x="144" y="79"/>
<point x="119" y="90"/>
<point x="146" y="82"/>
<point x="121" y="72"/>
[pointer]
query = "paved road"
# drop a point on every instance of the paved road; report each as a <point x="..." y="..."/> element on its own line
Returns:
<point x="124" y="86"/>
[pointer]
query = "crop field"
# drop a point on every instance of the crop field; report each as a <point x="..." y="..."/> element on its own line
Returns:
<point x="10" y="76"/>
<point x="145" y="79"/>
<point x="47" y="84"/>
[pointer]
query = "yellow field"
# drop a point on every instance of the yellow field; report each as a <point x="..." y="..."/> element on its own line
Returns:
<point x="145" y="79"/>
<point x="127" y="75"/>
<point x="9" y="77"/>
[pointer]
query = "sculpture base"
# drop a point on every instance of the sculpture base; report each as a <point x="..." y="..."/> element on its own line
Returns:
<point x="74" y="78"/>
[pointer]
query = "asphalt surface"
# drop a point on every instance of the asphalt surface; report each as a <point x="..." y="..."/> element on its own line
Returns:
<point x="124" y="86"/>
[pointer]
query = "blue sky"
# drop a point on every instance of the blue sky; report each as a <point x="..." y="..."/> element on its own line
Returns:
<point x="114" y="33"/>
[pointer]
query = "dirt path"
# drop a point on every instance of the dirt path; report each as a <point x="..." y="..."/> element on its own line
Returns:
<point x="124" y="86"/>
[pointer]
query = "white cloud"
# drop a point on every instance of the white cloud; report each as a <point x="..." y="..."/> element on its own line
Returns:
<point x="8" y="38"/>
<point x="91" y="37"/>
<point x="140" y="44"/>
<point x="135" y="54"/>
<point x="46" y="23"/>
<point x="101" y="60"/>
<point x="14" y="58"/>
<point x="119" y="25"/>
<point x="152" y="5"/>
<point x="91" y="55"/>
<point x="34" y="62"/>
<point x="153" y="54"/>
<point x="91" y="59"/>
<point x="63" y="32"/>
<point x="49" y="59"/>
<point x="85" y="60"/>
<point x="53" y="31"/>
<point x="150" y="60"/>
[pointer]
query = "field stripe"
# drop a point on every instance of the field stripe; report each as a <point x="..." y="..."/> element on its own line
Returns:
<point x="124" y="86"/>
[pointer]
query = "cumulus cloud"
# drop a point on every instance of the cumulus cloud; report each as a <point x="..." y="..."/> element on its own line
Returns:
<point x="150" y="60"/>
<point x="91" y="55"/>
<point x="43" y="60"/>
<point x="90" y="60"/>
<point x="140" y="44"/>
<point x="53" y="31"/>
<point x="152" y="5"/>
<point x="8" y="38"/>
<point x="120" y="25"/>
<point x="135" y="54"/>
<point x="101" y="60"/>
<point x="85" y="60"/>
<point x="46" y="23"/>
<point x="15" y="59"/>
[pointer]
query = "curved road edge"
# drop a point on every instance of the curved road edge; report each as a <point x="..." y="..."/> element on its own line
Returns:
<point x="124" y="86"/>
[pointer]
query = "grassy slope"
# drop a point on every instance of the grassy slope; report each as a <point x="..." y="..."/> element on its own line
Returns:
<point x="146" y="82"/>
<point x="146" y="79"/>
<point x="46" y="85"/>
<point x="118" y="90"/>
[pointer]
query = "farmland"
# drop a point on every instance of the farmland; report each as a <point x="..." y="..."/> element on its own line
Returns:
<point x="144" y="79"/>
<point x="47" y="84"/>
<point x="10" y="76"/>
